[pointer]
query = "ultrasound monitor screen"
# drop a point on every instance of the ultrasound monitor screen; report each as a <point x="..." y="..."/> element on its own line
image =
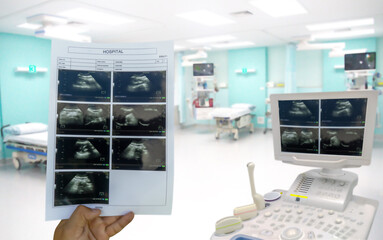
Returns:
<point x="360" y="61"/>
<point x="139" y="86"/>
<point x="82" y="153"/>
<point x="344" y="112"/>
<point x="299" y="112"/>
<point x="83" y="119"/>
<point x="139" y="120"/>
<point x="203" y="69"/>
<point x="84" y="86"/>
<point x="81" y="188"/>
<point x="338" y="130"/>
<point x="139" y="154"/>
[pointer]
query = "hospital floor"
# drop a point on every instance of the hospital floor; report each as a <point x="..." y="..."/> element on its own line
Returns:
<point x="210" y="180"/>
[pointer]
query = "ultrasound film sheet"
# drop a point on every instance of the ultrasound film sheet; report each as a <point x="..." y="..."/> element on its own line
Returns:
<point x="109" y="128"/>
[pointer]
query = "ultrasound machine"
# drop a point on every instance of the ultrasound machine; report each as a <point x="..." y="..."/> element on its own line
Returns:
<point x="330" y="131"/>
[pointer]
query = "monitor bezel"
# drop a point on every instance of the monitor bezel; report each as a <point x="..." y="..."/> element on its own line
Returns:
<point x="325" y="160"/>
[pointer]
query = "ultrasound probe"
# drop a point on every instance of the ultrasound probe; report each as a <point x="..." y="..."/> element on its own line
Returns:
<point x="243" y="213"/>
<point x="257" y="198"/>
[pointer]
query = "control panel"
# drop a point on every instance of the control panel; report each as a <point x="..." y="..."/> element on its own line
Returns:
<point x="315" y="188"/>
<point x="285" y="220"/>
<point x="318" y="205"/>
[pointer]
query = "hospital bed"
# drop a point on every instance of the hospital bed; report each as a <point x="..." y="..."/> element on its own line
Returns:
<point x="232" y="119"/>
<point x="28" y="141"/>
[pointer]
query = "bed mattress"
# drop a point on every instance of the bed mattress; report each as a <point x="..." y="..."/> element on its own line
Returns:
<point x="39" y="139"/>
<point x="229" y="113"/>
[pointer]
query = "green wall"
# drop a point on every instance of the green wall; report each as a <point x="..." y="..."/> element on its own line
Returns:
<point x="309" y="69"/>
<point x="276" y="63"/>
<point x="249" y="87"/>
<point x="24" y="96"/>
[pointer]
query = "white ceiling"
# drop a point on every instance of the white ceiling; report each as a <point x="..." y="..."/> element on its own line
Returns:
<point x="156" y="20"/>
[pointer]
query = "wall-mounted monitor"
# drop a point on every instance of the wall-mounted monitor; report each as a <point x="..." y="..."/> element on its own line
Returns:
<point x="203" y="69"/>
<point x="360" y="61"/>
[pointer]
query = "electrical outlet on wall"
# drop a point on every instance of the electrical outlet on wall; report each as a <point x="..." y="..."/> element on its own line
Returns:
<point x="261" y="120"/>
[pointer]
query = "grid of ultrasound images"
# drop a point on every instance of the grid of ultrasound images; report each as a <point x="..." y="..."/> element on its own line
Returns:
<point x="91" y="121"/>
<point x="325" y="126"/>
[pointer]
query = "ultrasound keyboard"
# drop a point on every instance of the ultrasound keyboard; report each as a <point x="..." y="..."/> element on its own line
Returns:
<point x="294" y="221"/>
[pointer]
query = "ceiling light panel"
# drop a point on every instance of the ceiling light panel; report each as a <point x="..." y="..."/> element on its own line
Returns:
<point x="279" y="8"/>
<point x="62" y="32"/>
<point x="220" y="38"/>
<point x="179" y="47"/>
<point x="92" y="16"/>
<point x="29" y="26"/>
<point x="233" y="44"/>
<point x="47" y="19"/>
<point x="341" y="24"/>
<point x="206" y="18"/>
<point x="343" y="34"/>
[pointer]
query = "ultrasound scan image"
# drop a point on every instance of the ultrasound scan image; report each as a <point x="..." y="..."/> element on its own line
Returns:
<point x="299" y="112"/>
<point x="79" y="185"/>
<point x="84" y="86"/>
<point x="83" y="119"/>
<point x="82" y="153"/>
<point x="81" y="188"/>
<point x="139" y="86"/>
<point x="139" y="154"/>
<point x="138" y="83"/>
<point x="342" y="141"/>
<point x="139" y="120"/>
<point x="85" y="150"/>
<point x="86" y="83"/>
<point x="343" y="108"/>
<point x="71" y="115"/>
<point x="302" y="140"/>
<point x="307" y="137"/>
<point x="343" y="112"/>
<point x="95" y="116"/>
<point x="299" y="109"/>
